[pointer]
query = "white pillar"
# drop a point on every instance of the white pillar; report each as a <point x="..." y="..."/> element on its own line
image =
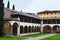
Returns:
<point x="51" y="29"/>
<point x="31" y="29"/>
<point x="27" y="29"/>
<point x="41" y="29"/>
<point x="41" y="26"/>
<point x="23" y="29"/>
<point x="18" y="31"/>
<point x="11" y="31"/>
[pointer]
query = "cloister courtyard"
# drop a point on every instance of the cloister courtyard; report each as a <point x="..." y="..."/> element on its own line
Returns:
<point x="47" y="30"/>
<point x="20" y="25"/>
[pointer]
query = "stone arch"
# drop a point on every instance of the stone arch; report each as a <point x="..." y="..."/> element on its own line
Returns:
<point x="25" y="29"/>
<point x="21" y="29"/>
<point x="14" y="28"/>
<point x="7" y="28"/>
<point x="56" y="29"/>
<point x="47" y="29"/>
<point x="29" y="29"/>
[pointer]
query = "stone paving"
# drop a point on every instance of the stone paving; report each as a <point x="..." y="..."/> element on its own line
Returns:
<point x="40" y="37"/>
<point x="29" y="33"/>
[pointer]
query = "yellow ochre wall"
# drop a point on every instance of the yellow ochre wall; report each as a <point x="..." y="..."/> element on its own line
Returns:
<point x="53" y="14"/>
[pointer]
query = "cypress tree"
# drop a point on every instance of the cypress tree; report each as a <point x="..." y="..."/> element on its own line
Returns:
<point x="13" y="8"/>
<point x="1" y="1"/>
<point x="8" y="5"/>
<point x="1" y="17"/>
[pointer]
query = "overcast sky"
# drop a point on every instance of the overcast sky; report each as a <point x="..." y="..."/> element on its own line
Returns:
<point x="34" y="6"/>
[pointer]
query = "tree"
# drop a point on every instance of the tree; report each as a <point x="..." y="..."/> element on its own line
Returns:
<point x="1" y="1"/>
<point x="13" y="8"/>
<point x="1" y="17"/>
<point x="8" y="4"/>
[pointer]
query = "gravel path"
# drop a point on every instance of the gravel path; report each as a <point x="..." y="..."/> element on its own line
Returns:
<point x="40" y="37"/>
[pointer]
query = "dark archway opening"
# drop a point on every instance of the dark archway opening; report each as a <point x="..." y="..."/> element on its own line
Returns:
<point x="29" y="29"/>
<point x="47" y="29"/>
<point x="7" y="28"/>
<point x="56" y="29"/>
<point x="14" y="29"/>
<point x="25" y="29"/>
<point x="32" y="28"/>
<point x="35" y="28"/>
<point x="21" y="29"/>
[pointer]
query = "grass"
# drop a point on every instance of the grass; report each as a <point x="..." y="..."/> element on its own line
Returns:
<point x="23" y="37"/>
<point x="55" y="37"/>
<point x="34" y="35"/>
<point x="11" y="38"/>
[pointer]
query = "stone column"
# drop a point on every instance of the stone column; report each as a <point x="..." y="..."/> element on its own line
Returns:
<point x="41" y="26"/>
<point x="23" y="29"/>
<point x="27" y="29"/>
<point x="51" y="29"/>
<point x="36" y="29"/>
<point x="18" y="31"/>
<point x="11" y="31"/>
<point x="39" y="29"/>
<point x="31" y="29"/>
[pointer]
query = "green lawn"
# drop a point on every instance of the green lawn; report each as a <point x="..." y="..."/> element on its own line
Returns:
<point x="11" y="38"/>
<point x="55" y="37"/>
<point x="35" y="35"/>
<point x="23" y="37"/>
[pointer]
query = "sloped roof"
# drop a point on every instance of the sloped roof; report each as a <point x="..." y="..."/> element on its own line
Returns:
<point x="47" y="11"/>
<point x="26" y="14"/>
<point x="23" y="13"/>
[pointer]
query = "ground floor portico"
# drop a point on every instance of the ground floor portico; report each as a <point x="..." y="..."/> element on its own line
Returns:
<point x="14" y="28"/>
<point x="51" y="28"/>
